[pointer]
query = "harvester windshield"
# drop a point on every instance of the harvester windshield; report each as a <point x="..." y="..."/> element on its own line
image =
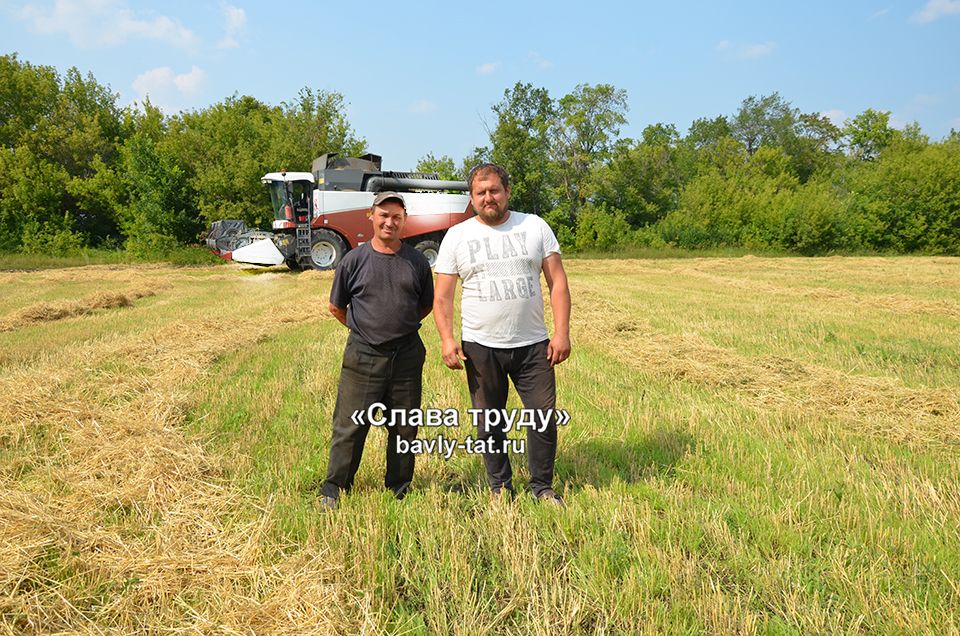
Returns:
<point x="298" y="197"/>
<point x="278" y="197"/>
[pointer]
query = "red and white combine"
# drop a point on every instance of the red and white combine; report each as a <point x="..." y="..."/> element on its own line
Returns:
<point x="319" y="216"/>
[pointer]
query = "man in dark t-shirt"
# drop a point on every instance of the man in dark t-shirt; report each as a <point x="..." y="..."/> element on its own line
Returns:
<point x="381" y="291"/>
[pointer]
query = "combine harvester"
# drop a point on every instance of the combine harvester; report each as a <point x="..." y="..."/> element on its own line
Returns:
<point x="319" y="216"/>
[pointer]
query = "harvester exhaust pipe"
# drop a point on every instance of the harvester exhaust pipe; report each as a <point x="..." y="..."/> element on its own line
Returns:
<point x="403" y="184"/>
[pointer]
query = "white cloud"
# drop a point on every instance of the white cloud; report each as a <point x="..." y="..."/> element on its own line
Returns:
<point x="167" y="90"/>
<point x="190" y="83"/>
<point x="836" y="116"/>
<point x="487" y="68"/>
<point x="896" y="121"/>
<point x="539" y="60"/>
<point x="923" y="101"/>
<point x="101" y="23"/>
<point x="757" y="50"/>
<point x="879" y="14"/>
<point x="936" y="9"/>
<point x="744" y="51"/>
<point x="423" y="107"/>
<point x="235" y="21"/>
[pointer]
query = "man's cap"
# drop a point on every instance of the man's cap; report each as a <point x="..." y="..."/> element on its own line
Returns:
<point x="387" y="196"/>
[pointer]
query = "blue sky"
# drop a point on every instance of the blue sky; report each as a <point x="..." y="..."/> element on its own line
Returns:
<point x="421" y="77"/>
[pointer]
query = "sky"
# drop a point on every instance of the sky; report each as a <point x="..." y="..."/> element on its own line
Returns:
<point x="421" y="77"/>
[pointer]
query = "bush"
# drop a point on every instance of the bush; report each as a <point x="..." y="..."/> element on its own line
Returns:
<point x="814" y="221"/>
<point x="600" y="228"/>
<point x="559" y="220"/>
<point x="50" y="238"/>
<point x="909" y="199"/>
<point x="648" y="236"/>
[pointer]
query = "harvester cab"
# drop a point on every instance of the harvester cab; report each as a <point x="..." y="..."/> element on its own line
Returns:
<point x="291" y="197"/>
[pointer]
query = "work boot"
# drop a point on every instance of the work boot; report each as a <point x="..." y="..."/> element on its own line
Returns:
<point x="328" y="503"/>
<point x="501" y="493"/>
<point x="549" y="497"/>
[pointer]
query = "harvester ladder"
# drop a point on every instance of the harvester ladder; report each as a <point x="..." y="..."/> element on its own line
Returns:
<point x="304" y="240"/>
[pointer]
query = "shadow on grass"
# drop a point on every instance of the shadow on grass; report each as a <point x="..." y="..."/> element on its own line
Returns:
<point x="600" y="461"/>
<point x="258" y="270"/>
<point x="596" y="462"/>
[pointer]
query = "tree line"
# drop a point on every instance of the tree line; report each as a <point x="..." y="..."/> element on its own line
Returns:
<point x="77" y="170"/>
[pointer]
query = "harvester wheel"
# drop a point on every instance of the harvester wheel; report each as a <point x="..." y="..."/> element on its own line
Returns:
<point x="430" y="249"/>
<point x="327" y="249"/>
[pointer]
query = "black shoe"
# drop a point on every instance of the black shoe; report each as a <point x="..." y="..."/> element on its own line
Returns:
<point x="501" y="493"/>
<point x="328" y="503"/>
<point x="549" y="497"/>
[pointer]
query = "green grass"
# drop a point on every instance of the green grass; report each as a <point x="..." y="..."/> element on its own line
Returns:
<point x="186" y="255"/>
<point x="667" y="252"/>
<point x="708" y="490"/>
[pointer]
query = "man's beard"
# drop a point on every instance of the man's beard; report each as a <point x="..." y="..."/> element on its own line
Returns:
<point x="495" y="215"/>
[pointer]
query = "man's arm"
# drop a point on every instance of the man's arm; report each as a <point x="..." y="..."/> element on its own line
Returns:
<point x="427" y="293"/>
<point x="340" y="313"/>
<point x="340" y="292"/>
<point x="559" y="348"/>
<point x="443" y="315"/>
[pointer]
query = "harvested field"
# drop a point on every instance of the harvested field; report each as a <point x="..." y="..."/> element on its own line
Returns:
<point x="756" y="445"/>
<point x="46" y="312"/>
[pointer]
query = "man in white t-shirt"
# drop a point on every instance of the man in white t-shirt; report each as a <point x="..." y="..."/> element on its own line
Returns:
<point x="499" y="255"/>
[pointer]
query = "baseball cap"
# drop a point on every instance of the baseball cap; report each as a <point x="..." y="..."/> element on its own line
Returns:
<point x="387" y="196"/>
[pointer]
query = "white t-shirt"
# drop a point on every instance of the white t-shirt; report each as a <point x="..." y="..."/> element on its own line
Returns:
<point x="500" y="266"/>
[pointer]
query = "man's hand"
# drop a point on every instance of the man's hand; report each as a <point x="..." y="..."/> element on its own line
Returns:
<point x="443" y="315"/>
<point x="559" y="349"/>
<point x="340" y="313"/>
<point x="452" y="354"/>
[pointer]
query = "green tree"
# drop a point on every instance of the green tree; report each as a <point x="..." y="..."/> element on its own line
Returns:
<point x="63" y="132"/>
<point x="312" y="124"/>
<point x="816" y="146"/>
<point x="809" y="140"/>
<point x="737" y="203"/>
<point x="158" y="213"/>
<point x="443" y="166"/>
<point x="908" y="198"/>
<point x="28" y="95"/>
<point x="520" y="143"/>
<point x="584" y="132"/>
<point x="32" y="192"/>
<point x="601" y="228"/>
<point x="226" y="149"/>
<point x="766" y="120"/>
<point x="642" y="180"/>
<point x="705" y="133"/>
<point x="697" y="151"/>
<point x="868" y="134"/>
<point x="480" y="154"/>
<point x="662" y="135"/>
<point x="911" y="135"/>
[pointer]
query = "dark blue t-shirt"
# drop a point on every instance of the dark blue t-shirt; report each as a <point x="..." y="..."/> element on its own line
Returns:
<point x="384" y="293"/>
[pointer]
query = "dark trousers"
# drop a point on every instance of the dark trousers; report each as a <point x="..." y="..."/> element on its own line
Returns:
<point x="533" y="378"/>
<point x="391" y="374"/>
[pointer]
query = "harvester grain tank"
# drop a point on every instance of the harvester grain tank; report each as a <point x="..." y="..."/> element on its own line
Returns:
<point x="318" y="216"/>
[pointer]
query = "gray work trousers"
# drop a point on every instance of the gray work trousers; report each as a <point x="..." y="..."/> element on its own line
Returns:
<point x="392" y="374"/>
